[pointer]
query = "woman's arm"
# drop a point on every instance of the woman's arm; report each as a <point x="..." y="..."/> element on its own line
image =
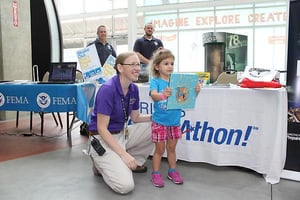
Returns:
<point x="136" y="117"/>
<point x="102" y="124"/>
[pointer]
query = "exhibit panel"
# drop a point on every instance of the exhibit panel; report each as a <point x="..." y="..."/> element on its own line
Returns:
<point x="292" y="165"/>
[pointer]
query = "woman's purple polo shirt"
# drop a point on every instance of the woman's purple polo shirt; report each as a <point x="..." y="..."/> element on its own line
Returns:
<point x="108" y="102"/>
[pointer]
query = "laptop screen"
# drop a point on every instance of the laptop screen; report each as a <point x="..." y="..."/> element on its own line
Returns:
<point x="62" y="72"/>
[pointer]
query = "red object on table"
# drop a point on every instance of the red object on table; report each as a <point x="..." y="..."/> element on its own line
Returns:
<point x="247" y="83"/>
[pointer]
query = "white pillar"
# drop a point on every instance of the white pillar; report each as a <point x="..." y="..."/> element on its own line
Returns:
<point x="132" y="23"/>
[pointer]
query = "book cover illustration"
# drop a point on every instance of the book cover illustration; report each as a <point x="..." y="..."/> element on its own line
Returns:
<point x="183" y="91"/>
<point x="89" y="63"/>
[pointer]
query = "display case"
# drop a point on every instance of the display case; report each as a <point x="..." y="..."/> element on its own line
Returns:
<point x="224" y="52"/>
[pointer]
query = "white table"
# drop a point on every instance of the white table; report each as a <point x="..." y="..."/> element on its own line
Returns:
<point x="234" y="127"/>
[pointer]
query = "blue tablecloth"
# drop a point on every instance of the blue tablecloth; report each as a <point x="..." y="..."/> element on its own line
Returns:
<point x="28" y="96"/>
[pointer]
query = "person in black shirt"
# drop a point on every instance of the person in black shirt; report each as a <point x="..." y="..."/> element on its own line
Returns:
<point x="104" y="49"/>
<point x="147" y="45"/>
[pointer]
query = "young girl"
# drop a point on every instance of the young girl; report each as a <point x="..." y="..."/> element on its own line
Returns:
<point x="165" y="123"/>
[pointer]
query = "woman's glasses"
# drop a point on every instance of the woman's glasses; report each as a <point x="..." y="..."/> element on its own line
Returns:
<point x="132" y="65"/>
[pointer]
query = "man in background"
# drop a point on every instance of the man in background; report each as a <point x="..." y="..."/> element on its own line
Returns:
<point x="104" y="49"/>
<point x="146" y="45"/>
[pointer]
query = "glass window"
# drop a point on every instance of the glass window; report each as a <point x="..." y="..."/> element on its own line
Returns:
<point x="269" y="16"/>
<point x="190" y="51"/>
<point x="185" y="1"/>
<point x="181" y="29"/>
<point x="158" y="2"/>
<point x="232" y="18"/>
<point x="269" y="48"/>
<point x="69" y="7"/>
<point x="119" y="4"/>
<point x="96" y="5"/>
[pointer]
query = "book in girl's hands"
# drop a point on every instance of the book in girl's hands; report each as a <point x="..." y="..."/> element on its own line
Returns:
<point x="183" y="91"/>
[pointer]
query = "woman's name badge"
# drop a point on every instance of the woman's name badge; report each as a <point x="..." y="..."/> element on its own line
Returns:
<point x="126" y="133"/>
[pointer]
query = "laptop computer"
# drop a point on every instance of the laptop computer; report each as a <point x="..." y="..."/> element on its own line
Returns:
<point x="62" y="73"/>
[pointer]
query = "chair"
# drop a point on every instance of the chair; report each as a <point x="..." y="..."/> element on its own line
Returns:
<point x="34" y="78"/>
<point x="45" y="79"/>
<point x="78" y="79"/>
<point x="79" y="76"/>
<point x="228" y="77"/>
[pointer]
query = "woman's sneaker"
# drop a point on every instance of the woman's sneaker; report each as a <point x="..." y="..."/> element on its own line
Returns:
<point x="175" y="177"/>
<point x="157" y="180"/>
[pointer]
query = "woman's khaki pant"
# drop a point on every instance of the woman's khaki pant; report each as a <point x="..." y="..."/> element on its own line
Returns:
<point x="114" y="171"/>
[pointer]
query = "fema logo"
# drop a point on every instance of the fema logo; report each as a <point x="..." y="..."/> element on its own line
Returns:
<point x="43" y="100"/>
<point x="2" y="99"/>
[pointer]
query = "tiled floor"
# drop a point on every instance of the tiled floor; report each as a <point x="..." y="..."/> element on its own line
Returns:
<point x="46" y="168"/>
<point x="17" y="142"/>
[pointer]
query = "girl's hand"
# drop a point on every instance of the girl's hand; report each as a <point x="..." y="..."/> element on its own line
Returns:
<point x="167" y="92"/>
<point x="198" y="88"/>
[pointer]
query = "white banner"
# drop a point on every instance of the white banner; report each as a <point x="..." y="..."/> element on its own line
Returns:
<point x="234" y="127"/>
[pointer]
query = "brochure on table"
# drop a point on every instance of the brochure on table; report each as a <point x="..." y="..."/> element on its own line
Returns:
<point x="204" y="77"/>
